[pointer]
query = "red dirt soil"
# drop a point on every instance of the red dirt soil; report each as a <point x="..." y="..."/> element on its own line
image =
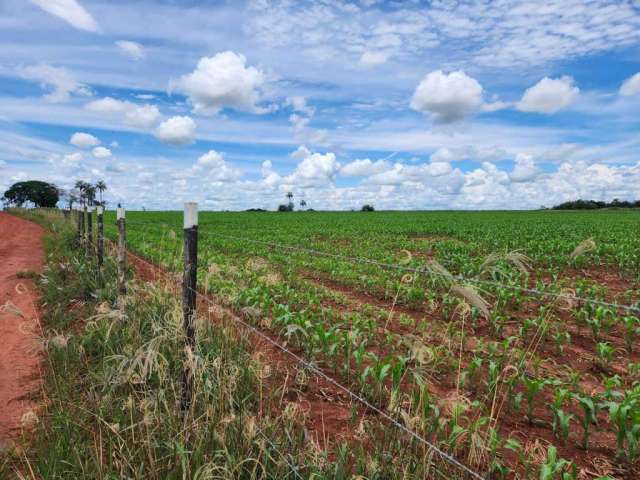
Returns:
<point x="20" y="251"/>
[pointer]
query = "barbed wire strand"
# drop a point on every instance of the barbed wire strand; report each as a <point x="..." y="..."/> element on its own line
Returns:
<point x="422" y="271"/>
<point x="444" y="455"/>
<point x="328" y="378"/>
<point x="258" y="429"/>
<point x="291" y="466"/>
<point x="419" y="271"/>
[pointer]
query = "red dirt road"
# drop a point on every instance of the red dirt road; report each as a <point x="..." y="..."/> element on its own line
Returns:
<point x="20" y="250"/>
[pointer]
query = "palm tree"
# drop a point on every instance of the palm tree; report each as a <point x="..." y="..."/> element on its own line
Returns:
<point x="72" y="197"/>
<point x="303" y="203"/>
<point x="90" y="193"/>
<point x="101" y="187"/>
<point x="81" y="187"/>
<point x="289" y="195"/>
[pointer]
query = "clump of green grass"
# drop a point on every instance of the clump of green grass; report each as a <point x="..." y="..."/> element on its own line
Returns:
<point x="24" y="274"/>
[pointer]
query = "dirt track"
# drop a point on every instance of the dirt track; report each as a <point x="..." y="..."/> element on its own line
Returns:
<point x="20" y="251"/>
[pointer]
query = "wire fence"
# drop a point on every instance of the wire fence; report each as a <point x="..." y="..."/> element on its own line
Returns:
<point x="356" y="260"/>
<point x="350" y="393"/>
<point x="565" y="296"/>
<point x="442" y="454"/>
<point x="430" y="446"/>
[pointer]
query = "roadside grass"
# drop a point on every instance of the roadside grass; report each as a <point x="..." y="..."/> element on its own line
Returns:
<point x="110" y="406"/>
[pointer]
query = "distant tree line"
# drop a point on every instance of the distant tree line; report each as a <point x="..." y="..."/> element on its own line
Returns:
<point x="43" y="194"/>
<point x="596" y="204"/>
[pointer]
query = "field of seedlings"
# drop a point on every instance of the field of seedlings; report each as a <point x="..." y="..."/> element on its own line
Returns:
<point x="509" y="340"/>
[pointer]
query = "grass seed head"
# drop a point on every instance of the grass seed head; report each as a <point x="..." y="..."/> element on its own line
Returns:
<point x="59" y="340"/>
<point x="471" y="295"/>
<point x="585" y="246"/>
<point x="29" y="419"/>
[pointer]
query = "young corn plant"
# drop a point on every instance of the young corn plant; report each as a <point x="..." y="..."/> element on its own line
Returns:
<point x="561" y="424"/>
<point x="602" y="319"/>
<point x="624" y="416"/>
<point x="605" y="355"/>
<point x="561" y="419"/>
<point x="590" y="408"/>
<point x="470" y="374"/>
<point x="631" y="330"/>
<point x="532" y="388"/>
<point x="561" y="339"/>
<point x="555" y="468"/>
<point x="611" y="387"/>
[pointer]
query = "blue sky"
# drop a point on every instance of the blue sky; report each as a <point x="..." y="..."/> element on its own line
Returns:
<point x="413" y="104"/>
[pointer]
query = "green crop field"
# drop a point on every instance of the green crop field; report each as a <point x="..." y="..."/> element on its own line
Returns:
<point x="501" y="337"/>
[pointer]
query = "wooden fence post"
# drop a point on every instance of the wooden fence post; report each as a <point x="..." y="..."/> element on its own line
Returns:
<point x="189" y="285"/>
<point x="100" y="239"/>
<point x="122" y="255"/>
<point x="84" y="225"/>
<point x="90" y="231"/>
<point x="80" y="225"/>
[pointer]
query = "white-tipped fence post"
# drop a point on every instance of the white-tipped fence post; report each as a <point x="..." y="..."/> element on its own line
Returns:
<point x="80" y="225"/>
<point x="189" y="285"/>
<point x="100" y="239"/>
<point x="122" y="255"/>
<point x="90" y="231"/>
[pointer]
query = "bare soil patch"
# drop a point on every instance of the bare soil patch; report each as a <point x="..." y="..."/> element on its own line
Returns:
<point x="20" y="378"/>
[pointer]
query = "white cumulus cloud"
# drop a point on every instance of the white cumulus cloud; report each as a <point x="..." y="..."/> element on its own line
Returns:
<point x="524" y="170"/>
<point x="133" y="114"/>
<point x="299" y="104"/>
<point x="315" y="170"/>
<point x="364" y="168"/>
<point x="131" y="49"/>
<point x="71" y="12"/>
<point x="84" y="140"/>
<point x="299" y="153"/>
<point x="176" y="130"/>
<point x="373" y="58"/>
<point x="223" y="80"/>
<point x="214" y="168"/>
<point x="211" y="159"/>
<point x="71" y="160"/>
<point x="59" y="80"/>
<point x="447" y="97"/>
<point x="143" y="116"/>
<point x="402" y="173"/>
<point x="631" y="86"/>
<point x="445" y="154"/>
<point x="549" y="95"/>
<point x="101" y="152"/>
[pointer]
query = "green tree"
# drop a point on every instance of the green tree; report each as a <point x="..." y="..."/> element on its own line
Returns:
<point x="81" y="187"/>
<point x="41" y="194"/>
<point x="101" y="187"/>
<point x="290" y="198"/>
